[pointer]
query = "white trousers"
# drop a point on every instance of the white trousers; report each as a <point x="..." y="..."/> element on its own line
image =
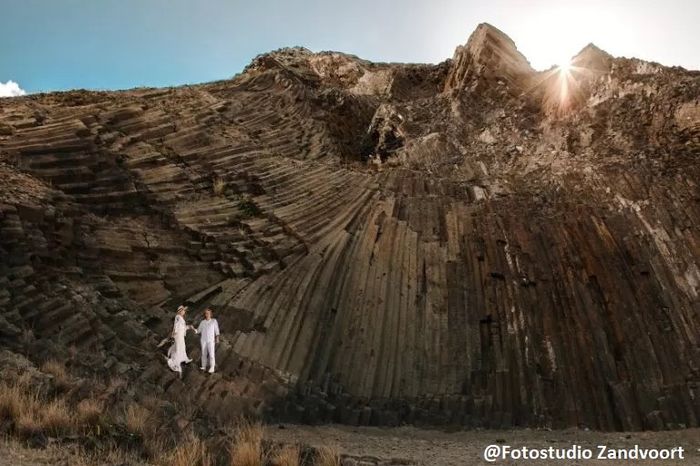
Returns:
<point x="208" y="354"/>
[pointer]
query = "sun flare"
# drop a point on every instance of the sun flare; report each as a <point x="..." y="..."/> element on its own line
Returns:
<point x="564" y="67"/>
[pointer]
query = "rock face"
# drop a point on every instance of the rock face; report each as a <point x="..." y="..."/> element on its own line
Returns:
<point x="489" y="55"/>
<point x="382" y="243"/>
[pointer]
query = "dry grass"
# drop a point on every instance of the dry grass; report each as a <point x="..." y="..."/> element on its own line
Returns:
<point x="249" y="432"/>
<point x="327" y="456"/>
<point x="288" y="455"/>
<point x="116" y="385"/>
<point x="28" y="422"/>
<point x="89" y="412"/>
<point x="109" y="454"/>
<point x="11" y="401"/>
<point x="30" y="414"/>
<point x="57" y="418"/>
<point x="190" y="452"/>
<point x="137" y="419"/>
<point x="25" y="412"/>
<point x="16" y="452"/>
<point x="219" y="186"/>
<point x="154" y="446"/>
<point x="246" y="447"/>
<point x="246" y="454"/>
<point x="60" y="375"/>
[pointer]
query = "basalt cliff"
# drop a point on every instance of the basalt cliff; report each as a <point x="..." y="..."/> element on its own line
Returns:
<point x="471" y="243"/>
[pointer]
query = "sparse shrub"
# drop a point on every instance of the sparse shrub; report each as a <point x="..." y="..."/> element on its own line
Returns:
<point x="327" y="456"/>
<point x="288" y="455"/>
<point x="137" y="419"/>
<point x="219" y="186"/>
<point x="248" y="208"/>
<point x="246" y="448"/>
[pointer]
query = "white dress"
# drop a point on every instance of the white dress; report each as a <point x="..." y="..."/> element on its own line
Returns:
<point x="177" y="354"/>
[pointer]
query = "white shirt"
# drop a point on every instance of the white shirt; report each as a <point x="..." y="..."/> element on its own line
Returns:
<point x="209" y="329"/>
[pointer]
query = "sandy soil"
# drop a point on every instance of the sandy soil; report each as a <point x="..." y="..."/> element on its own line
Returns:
<point x="408" y="445"/>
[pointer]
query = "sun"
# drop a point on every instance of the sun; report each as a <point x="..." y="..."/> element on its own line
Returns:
<point x="562" y="84"/>
<point x="564" y="66"/>
<point x="565" y="81"/>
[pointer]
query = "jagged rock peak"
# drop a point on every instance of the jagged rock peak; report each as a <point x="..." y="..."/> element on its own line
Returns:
<point x="591" y="48"/>
<point x="489" y="53"/>
<point x="281" y="56"/>
<point x="593" y="58"/>
<point x="327" y="67"/>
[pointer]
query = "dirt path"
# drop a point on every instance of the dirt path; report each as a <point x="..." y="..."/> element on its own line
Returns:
<point x="408" y="445"/>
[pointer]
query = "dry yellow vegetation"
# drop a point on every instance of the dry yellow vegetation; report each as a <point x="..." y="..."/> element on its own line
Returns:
<point x="27" y="411"/>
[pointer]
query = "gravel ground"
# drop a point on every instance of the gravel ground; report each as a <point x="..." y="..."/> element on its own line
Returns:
<point x="408" y="445"/>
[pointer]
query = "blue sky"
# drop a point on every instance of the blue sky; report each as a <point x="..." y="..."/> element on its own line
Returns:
<point x="113" y="44"/>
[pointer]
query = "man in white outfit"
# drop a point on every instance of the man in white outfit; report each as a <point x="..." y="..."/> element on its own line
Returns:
<point x="209" y="331"/>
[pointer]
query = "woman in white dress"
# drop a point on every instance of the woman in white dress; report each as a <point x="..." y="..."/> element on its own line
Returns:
<point x="177" y="354"/>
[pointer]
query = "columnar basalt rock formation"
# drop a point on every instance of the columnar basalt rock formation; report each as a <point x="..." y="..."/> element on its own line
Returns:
<point x="459" y="243"/>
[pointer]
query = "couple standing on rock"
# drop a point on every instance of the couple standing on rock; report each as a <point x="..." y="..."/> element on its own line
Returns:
<point x="208" y="329"/>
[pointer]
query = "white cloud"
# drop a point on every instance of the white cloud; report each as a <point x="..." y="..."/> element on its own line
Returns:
<point x="11" y="89"/>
